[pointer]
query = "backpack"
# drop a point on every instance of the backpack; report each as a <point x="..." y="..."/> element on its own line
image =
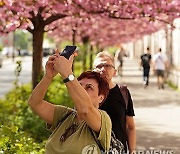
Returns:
<point x="116" y="147"/>
<point x="124" y="92"/>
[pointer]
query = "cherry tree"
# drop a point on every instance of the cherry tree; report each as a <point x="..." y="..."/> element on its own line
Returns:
<point x="140" y="15"/>
<point x="33" y="16"/>
<point x="101" y="32"/>
<point x="92" y="16"/>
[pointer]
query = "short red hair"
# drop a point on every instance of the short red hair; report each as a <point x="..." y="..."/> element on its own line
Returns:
<point x="103" y="85"/>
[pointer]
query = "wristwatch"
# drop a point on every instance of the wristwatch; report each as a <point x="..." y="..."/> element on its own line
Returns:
<point x="69" y="78"/>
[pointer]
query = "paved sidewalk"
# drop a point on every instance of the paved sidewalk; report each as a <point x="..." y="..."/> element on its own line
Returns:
<point x="157" y="111"/>
<point x="7" y="73"/>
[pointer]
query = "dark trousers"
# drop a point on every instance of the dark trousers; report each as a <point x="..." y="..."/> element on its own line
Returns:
<point x="146" y="75"/>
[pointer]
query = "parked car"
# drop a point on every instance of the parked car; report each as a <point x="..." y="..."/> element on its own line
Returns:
<point x="1" y="59"/>
<point x="24" y="52"/>
<point x="47" y="51"/>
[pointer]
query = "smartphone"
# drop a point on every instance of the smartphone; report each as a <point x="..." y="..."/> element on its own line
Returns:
<point x="68" y="51"/>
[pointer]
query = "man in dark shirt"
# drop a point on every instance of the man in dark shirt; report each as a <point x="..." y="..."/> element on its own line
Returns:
<point x="145" y="63"/>
<point x="122" y="118"/>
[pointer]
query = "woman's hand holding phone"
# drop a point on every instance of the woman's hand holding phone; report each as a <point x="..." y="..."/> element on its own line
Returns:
<point x="68" y="51"/>
<point x="63" y="65"/>
<point x="50" y="72"/>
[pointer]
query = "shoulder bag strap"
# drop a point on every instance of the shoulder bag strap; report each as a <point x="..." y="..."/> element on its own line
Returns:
<point x="97" y="141"/>
<point x="124" y="92"/>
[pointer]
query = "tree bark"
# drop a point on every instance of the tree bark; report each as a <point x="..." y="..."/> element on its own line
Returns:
<point x="91" y="58"/>
<point x="85" y="44"/>
<point x="37" y="56"/>
<point x="73" y="43"/>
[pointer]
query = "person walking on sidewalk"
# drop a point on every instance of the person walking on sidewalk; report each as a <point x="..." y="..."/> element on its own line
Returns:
<point x="160" y="64"/>
<point x="122" y="118"/>
<point x="119" y="54"/>
<point x="145" y="63"/>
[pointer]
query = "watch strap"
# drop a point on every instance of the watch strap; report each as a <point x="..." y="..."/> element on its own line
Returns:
<point x="66" y="80"/>
<point x="69" y="78"/>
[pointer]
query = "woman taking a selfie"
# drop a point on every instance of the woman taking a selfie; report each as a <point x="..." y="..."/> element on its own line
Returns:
<point x="72" y="129"/>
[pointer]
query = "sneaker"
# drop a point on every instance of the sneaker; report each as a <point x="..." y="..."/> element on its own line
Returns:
<point x="144" y="82"/>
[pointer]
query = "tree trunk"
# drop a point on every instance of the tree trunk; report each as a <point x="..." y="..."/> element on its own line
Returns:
<point x="85" y="48"/>
<point x="84" y="57"/>
<point x="73" y="36"/>
<point x="37" y="57"/>
<point x="73" y="43"/>
<point x="91" y="58"/>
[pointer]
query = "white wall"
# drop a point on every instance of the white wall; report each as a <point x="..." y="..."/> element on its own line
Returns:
<point x="176" y="44"/>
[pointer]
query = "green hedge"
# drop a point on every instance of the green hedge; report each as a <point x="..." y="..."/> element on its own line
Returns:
<point x="21" y="131"/>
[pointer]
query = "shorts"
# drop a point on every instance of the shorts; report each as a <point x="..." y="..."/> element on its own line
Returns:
<point x="160" y="73"/>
